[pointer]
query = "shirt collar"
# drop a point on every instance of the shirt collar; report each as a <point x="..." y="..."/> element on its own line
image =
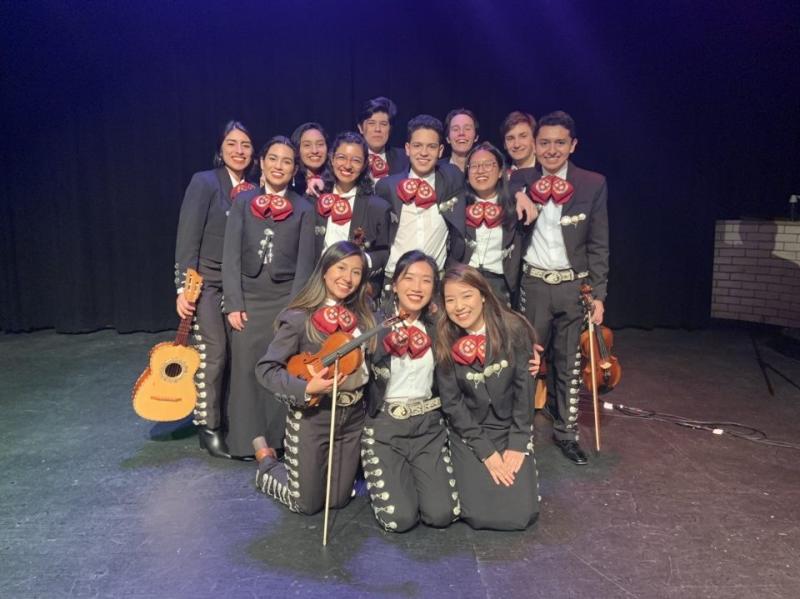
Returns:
<point x="268" y="189"/>
<point x="561" y="174"/>
<point x="347" y="196"/>
<point x="430" y="179"/>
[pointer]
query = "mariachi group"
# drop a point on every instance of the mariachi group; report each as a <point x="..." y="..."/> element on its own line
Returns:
<point x="477" y="264"/>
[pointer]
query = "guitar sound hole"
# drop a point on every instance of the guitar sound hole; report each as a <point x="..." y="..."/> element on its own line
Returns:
<point x="173" y="370"/>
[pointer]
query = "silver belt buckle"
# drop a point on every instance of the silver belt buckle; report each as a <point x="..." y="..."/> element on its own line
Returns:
<point x="346" y="398"/>
<point x="552" y="277"/>
<point x="399" y="411"/>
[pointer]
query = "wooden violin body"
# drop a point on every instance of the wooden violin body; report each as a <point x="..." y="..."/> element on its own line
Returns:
<point x="608" y="372"/>
<point x="302" y="364"/>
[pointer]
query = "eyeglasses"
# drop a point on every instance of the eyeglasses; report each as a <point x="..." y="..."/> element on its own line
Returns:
<point x="354" y="160"/>
<point x="488" y="166"/>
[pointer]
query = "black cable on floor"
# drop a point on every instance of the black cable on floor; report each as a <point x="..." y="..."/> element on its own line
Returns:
<point x="732" y="429"/>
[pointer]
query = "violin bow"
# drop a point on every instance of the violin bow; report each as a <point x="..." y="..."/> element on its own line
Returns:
<point x="586" y="291"/>
<point x="334" y="397"/>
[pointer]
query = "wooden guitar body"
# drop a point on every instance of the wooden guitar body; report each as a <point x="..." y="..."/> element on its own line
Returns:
<point x="166" y="391"/>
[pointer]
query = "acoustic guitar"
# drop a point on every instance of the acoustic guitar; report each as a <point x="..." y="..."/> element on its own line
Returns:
<point x="165" y="391"/>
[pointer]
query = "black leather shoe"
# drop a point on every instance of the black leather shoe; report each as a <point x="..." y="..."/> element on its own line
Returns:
<point x="213" y="442"/>
<point x="243" y="458"/>
<point x="572" y="451"/>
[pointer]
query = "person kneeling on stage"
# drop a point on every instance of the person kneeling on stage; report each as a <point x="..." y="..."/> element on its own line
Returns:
<point x="483" y="376"/>
<point x="404" y="446"/>
<point x="334" y="299"/>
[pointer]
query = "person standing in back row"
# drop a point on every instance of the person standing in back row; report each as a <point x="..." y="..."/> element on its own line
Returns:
<point x="567" y="246"/>
<point x="199" y="245"/>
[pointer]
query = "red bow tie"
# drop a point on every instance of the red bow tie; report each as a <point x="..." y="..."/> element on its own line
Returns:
<point x="487" y="213"/>
<point x="418" y="191"/>
<point x="407" y="340"/>
<point x="270" y="204"/>
<point x="469" y="348"/>
<point x="551" y="187"/>
<point x="378" y="167"/>
<point x="333" y="318"/>
<point x="243" y="186"/>
<point x="335" y="206"/>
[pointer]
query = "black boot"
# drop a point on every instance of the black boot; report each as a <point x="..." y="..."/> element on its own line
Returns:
<point x="213" y="442"/>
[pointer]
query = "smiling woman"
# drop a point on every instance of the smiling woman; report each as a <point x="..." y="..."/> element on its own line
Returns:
<point x="494" y="235"/>
<point x="347" y="208"/>
<point x="265" y="261"/>
<point x="404" y="446"/>
<point x="334" y="299"/>
<point x="482" y="353"/>
<point x="199" y="245"/>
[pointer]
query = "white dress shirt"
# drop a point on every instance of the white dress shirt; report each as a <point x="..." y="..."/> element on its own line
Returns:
<point x="546" y="249"/>
<point x="420" y="229"/>
<point x="334" y="231"/>
<point x="411" y="379"/>
<point x="488" y="252"/>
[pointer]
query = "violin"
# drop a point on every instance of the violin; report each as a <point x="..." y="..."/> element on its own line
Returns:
<point x="608" y="372"/>
<point x="340" y="346"/>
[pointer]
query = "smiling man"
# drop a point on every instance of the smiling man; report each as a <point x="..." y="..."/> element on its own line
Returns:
<point x="566" y="247"/>
<point x="461" y="127"/>
<point x="428" y="209"/>
<point x="517" y="133"/>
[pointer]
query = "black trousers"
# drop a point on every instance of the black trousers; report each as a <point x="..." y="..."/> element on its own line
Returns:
<point x="484" y="503"/>
<point x="498" y="285"/>
<point x="299" y="481"/>
<point x="211" y="337"/>
<point x="556" y="312"/>
<point x="408" y="471"/>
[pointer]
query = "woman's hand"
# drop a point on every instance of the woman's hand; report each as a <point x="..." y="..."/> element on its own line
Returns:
<point x="237" y="320"/>
<point x="536" y="361"/>
<point x="315" y="185"/>
<point x="318" y="384"/>
<point x="513" y="460"/>
<point x="183" y="306"/>
<point x="499" y="470"/>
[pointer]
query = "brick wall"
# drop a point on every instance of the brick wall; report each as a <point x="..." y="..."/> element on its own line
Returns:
<point x="757" y="272"/>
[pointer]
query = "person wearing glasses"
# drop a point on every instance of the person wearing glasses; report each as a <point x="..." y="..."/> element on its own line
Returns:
<point x="493" y="233"/>
<point x="375" y="124"/>
<point x="461" y="128"/>
<point x="347" y="208"/>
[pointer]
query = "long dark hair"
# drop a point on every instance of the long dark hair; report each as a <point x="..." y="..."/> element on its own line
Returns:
<point x="363" y="183"/>
<point x="297" y="136"/>
<point x="229" y="126"/>
<point x="507" y="332"/>
<point x="313" y="294"/>
<point x="504" y="197"/>
<point x="403" y="264"/>
<point x="277" y="139"/>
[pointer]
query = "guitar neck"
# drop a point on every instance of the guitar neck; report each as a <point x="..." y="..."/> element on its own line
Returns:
<point x="182" y="337"/>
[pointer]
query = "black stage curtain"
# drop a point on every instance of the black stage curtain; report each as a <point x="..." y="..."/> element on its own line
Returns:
<point x="108" y="108"/>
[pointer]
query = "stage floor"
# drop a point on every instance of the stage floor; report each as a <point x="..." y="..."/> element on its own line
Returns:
<point x="96" y="502"/>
